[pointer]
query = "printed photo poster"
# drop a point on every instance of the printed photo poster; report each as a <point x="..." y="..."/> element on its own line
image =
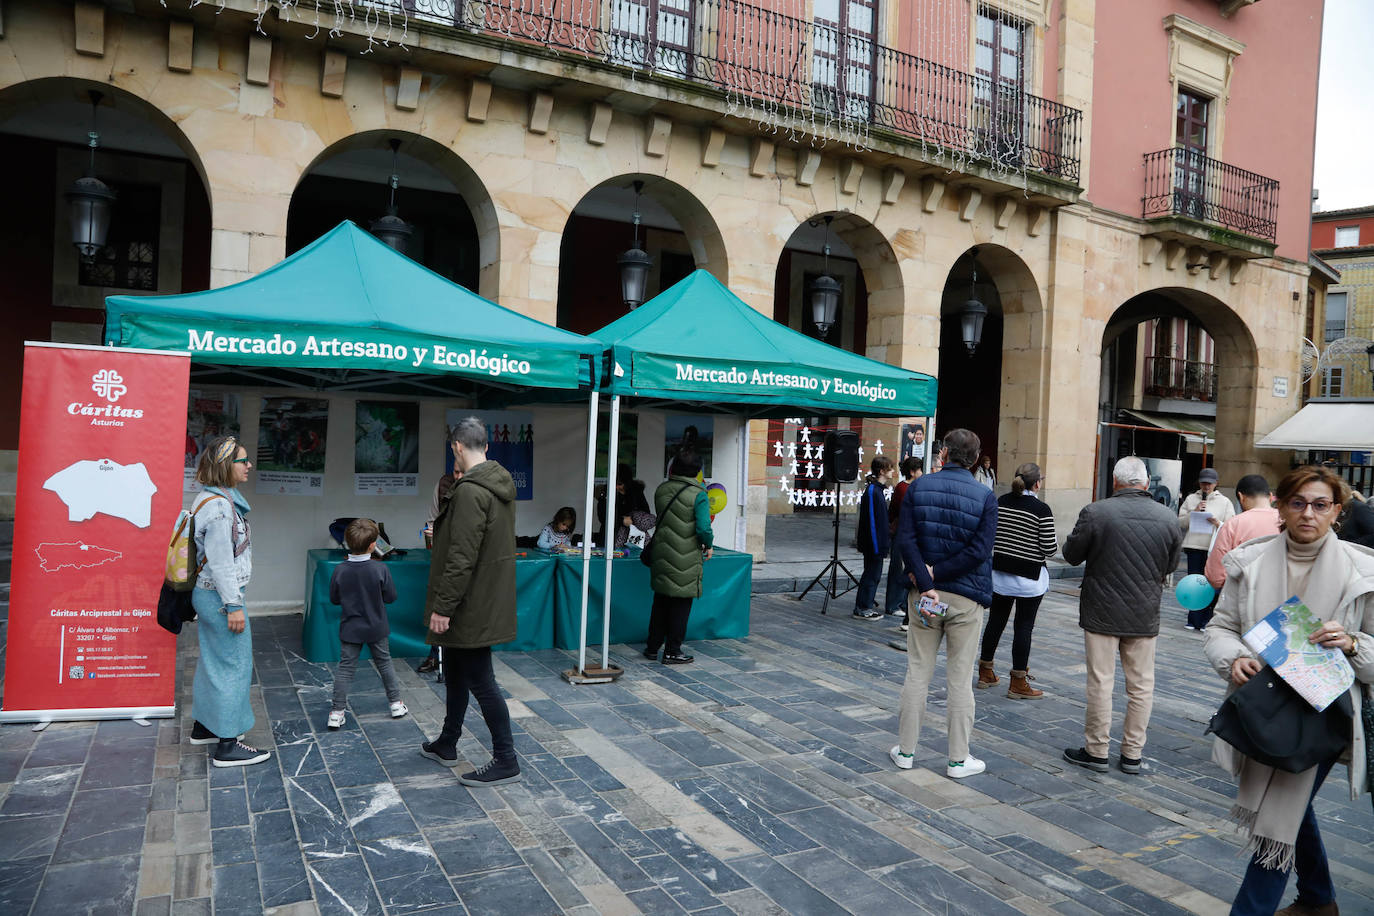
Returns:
<point x="510" y="443"/>
<point x="291" y="446"/>
<point x="914" y="440"/>
<point x="1166" y="480"/>
<point x="386" y="448"/>
<point x="209" y="415"/>
<point x="688" y="429"/>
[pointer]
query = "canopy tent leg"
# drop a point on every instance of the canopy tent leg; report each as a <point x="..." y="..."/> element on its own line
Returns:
<point x="612" y="523"/>
<point x="742" y="486"/>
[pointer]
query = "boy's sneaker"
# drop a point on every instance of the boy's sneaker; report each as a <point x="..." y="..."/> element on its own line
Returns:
<point x="1080" y="756"/>
<point x="969" y="766"/>
<point x="1129" y="765"/>
<point x="336" y="719"/>
<point x="398" y="709"/>
<point x="903" y="761"/>
<point x="234" y="753"/>
<point x="495" y="773"/>
<point x="866" y="614"/>
<point x="905" y="627"/>
<point x="432" y="750"/>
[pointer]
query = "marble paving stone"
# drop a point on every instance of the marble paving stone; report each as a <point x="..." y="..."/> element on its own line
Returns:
<point x="198" y="906"/>
<point x="618" y="867"/>
<point x="25" y="837"/>
<point x="224" y="777"/>
<point x="653" y="901"/>
<point x="119" y="766"/>
<point x="342" y="887"/>
<point x="785" y="888"/>
<point x="375" y="811"/>
<point x="555" y="881"/>
<point x="154" y="906"/>
<point x="266" y="790"/>
<point x="698" y="748"/>
<point x="504" y="892"/>
<point x="677" y="882"/>
<point x="103" y="887"/>
<point x="319" y="820"/>
<point x="765" y="788"/>
<point x="471" y="847"/>
<point x="717" y="877"/>
<point x="228" y="807"/>
<point x="281" y="874"/>
<point x="768" y="832"/>
<point x="406" y="874"/>
<point x="848" y="884"/>
<point x="236" y="891"/>
<point x="19" y="881"/>
<point x="104" y="822"/>
<point x="350" y="759"/>
<point x="439" y="799"/>
<point x="193" y="795"/>
<point x="852" y="840"/>
<point x="60" y="748"/>
<point x="232" y="845"/>
<point x="45" y="790"/>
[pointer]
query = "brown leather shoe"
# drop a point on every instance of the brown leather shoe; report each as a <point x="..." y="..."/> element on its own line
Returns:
<point x="986" y="675"/>
<point x="1297" y="908"/>
<point x="1021" y="689"/>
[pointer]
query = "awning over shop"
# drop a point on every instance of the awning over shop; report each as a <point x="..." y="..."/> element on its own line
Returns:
<point x="700" y="344"/>
<point x="349" y="313"/>
<point x="1338" y="425"/>
<point x="1198" y="428"/>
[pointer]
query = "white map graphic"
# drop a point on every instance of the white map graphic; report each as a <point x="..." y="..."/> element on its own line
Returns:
<point x="101" y="485"/>
<point x="52" y="557"/>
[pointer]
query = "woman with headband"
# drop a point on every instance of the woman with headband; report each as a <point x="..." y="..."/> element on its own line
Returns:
<point x="224" y="673"/>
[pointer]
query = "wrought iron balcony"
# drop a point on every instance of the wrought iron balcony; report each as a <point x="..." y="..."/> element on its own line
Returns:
<point x="803" y="76"/>
<point x="1185" y="183"/>
<point x="1183" y="379"/>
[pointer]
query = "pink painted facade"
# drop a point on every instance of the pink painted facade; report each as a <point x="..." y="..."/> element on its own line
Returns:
<point x="1270" y="117"/>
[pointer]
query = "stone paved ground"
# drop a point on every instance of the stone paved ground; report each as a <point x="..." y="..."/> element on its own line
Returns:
<point x="755" y="781"/>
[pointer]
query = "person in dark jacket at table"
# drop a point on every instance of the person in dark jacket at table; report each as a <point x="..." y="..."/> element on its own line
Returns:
<point x="682" y="543"/>
<point x="945" y="532"/>
<point x="1357" y="521"/>
<point x="897" y="582"/>
<point x="470" y="605"/>
<point x="873" y="537"/>
<point x="1131" y="544"/>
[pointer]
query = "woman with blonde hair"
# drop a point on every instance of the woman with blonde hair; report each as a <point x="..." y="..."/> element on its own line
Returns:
<point x="1335" y="579"/>
<point x="224" y="671"/>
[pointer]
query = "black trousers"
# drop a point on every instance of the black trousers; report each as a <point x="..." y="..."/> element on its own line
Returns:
<point x="668" y="623"/>
<point x="468" y="672"/>
<point x="1026" y="609"/>
<point x="1197" y="565"/>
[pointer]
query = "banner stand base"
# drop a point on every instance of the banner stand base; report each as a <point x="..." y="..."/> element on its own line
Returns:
<point x="593" y="675"/>
<point x="45" y="717"/>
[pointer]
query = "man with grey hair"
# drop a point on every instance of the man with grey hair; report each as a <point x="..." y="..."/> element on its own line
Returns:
<point x="1131" y="544"/>
<point x="470" y="605"/>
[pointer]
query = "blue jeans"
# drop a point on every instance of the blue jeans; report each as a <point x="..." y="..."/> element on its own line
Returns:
<point x="868" y="582"/>
<point x="897" y="584"/>
<point x="1261" y="891"/>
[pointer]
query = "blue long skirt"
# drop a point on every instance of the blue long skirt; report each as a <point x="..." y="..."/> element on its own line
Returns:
<point x="219" y="694"/>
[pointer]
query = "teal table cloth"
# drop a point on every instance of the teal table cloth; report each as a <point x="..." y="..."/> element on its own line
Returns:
<point x="722" y="611"/>
<point x="534" y="578"/>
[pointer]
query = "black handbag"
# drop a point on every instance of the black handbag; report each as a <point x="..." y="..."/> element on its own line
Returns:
<point x="646" y="555"/>
<point x="174" y="608"/>
<point x="1367" y="716"/>
<point x="1270" y="722"/>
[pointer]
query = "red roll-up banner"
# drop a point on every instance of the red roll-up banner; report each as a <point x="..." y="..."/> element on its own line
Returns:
<point x="101" y="436"/>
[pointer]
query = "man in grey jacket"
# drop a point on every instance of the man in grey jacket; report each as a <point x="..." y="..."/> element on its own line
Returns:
<point x="1131" y="543"/>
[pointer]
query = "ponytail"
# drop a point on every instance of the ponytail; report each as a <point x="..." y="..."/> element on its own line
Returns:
<point x="1027" y="476"/>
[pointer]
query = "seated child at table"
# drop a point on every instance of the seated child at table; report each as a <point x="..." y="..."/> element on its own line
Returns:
<point x="558" y="532"/>
<point x="362" y="586"/>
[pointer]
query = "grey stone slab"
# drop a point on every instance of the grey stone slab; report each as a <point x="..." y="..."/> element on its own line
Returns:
<point x="266" y="790"/>
<point x="654" y="901"/>
<point x="717" y="877"/>
<point x="677" y="882"/>
<point x="323" y="830"/>
<point x="439" y="800"/>
<point x="164" y="797"/>
<point x="272" y="829"/>
<point x="232" y="845"/>
<point x="592" y="773"/>
<point x="618" y="867"/>
<point x="406" y="874"/>
<point x="154" y="906"/>
<point x="235" y="891"/>
<point x="505" y="892"/>
<point x="766" y="830"/>
<point x="26" y="837"/>
<point x="193" y="795"/>
<point x="471" y="847"/>
<point x="785" y="887"/>
<point x="606" y="723"/>
<point x="103" y="887"/>
<point x="647" y="718"/>
<point x="60" y="748"/>
<point x="845" y="836"/>
<point x="939" y="891"/>
<point x="196" y="906"/>
<point x="343" y="887"/>
<point x="281" y="874"/>
<point x="698" y="748"/>
<point x="19" y="881"/>
<point x="350" y="759"/>
<point x="228" y="807"/>
<point x="122" y="767"/>
<point x="858" y="891"/>
<point x="224" y="777"/>
<point x="663" y="762"/>
<point x="103" y="823"/>
<point x="556" y="881"/>
<point x="554" y="714"/>
<point x="45" y="790"/>
<point x="765" y="788"/>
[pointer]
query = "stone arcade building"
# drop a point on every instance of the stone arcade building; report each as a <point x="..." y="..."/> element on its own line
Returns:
<point x="1101" y="164"/>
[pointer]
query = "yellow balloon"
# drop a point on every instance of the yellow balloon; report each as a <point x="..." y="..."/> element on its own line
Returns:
<point x="716" y="498"/>
<point x="700" y="477"/>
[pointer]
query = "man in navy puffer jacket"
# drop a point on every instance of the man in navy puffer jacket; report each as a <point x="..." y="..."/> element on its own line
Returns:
<point x="945" y="532"/>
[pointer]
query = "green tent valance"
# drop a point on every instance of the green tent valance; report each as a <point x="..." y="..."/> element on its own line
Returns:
<point x="353" y="313"/>
<point x="700" y="343"/>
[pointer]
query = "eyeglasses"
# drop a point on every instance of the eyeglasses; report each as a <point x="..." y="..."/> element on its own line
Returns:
<point x="1319" y="506"/>
<point x="243" y="461"/>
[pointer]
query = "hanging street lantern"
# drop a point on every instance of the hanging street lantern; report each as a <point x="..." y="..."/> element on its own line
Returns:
<point x="634" y="264"/>
<point x="972" y="313"/>
<point x="391" y="229"/>
<point x="824" y="292"/>
<point x="90" y="200"/>
<point x="1369" y="352"/>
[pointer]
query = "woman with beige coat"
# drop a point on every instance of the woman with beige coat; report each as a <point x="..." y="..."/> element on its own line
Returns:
<point x="1335" y="580"/>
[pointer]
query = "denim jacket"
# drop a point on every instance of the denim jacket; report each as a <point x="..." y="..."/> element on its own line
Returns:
<point x="222" y="542"/>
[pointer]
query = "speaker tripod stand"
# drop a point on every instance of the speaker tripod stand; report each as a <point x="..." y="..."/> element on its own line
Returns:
<point x="832" y="590"/>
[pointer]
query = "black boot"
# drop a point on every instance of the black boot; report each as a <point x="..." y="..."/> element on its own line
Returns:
<point x="495" y="773"/>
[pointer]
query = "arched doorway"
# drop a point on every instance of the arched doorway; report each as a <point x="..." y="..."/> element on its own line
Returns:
<point x="453" y="222"/>
<point x="997" y="389"/>
<point x="1178" y="360"/>
<point x="676" y="230"/>
<point x="158" y="241"/>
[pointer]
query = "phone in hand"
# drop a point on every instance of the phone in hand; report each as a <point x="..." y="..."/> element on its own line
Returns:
<point x="929" y="608"/>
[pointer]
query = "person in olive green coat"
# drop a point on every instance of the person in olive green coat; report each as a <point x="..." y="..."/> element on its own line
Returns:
<point x="682" y="543"/>
<point x="470" y="605"/>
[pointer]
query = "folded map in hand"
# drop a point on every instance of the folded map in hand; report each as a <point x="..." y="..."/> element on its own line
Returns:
<point x="1280" y="640"/>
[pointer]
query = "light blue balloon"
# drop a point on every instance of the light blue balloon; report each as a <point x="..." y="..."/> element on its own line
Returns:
<point x="1194" y="592"/>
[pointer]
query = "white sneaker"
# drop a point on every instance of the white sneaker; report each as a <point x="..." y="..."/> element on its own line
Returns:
<point x="336" y="718"/>
<point x="969" y="766"/>
<point x="903" y="761"/>
<point x="398" y="709"/>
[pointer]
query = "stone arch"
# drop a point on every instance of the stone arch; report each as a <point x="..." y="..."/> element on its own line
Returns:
<point x="446" y="162"/>
<point x="1236" y="360"/>
<point x="666" y="207"/>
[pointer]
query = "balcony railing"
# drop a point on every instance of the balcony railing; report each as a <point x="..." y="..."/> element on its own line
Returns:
<point x="805" y="76"/>
<point x="1180" y="182"/>
<point x="1184" y="379"/>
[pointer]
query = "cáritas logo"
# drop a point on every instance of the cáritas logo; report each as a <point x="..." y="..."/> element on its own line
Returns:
<point x="109" y="385"/>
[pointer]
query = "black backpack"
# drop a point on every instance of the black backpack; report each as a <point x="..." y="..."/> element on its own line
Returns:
<point x="1268" y="721"/>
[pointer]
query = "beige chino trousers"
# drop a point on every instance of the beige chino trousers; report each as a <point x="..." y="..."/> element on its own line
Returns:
<point x="961" y="629"/>
<point x="1138" y="668"/>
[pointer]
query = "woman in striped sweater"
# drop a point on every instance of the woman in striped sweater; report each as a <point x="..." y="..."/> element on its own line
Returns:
<point x="1025" y="540"/>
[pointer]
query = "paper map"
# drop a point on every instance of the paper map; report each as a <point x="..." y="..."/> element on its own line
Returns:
<point x="1280" y="640"/>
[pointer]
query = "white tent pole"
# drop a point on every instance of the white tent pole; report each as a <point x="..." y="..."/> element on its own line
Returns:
<point x="742" y="491"/>
<point x="587" y="515"/>
<point x="612" y="523"/>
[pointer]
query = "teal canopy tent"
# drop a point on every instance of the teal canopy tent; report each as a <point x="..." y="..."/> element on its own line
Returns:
<point x="349" y="313"/>
<point x="699" y="344"/>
